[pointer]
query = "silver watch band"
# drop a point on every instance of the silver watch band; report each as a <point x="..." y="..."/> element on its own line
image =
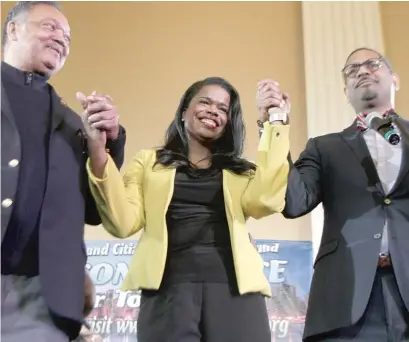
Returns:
<point x="276" y="114"/>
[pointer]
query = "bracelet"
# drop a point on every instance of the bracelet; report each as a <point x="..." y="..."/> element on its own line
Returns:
<point x="273" y="117"/>
<point x="260" y="125"/>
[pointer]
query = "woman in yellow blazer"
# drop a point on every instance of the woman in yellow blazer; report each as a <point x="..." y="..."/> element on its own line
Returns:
<point x="201" y="278"/>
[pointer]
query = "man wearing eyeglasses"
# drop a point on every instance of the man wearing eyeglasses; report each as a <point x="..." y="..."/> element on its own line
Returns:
<point x="360" y="287"/>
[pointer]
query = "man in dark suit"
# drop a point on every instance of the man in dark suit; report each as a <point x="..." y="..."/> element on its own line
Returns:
<point x="360" y="287"/>
<point x="45" y="195"/>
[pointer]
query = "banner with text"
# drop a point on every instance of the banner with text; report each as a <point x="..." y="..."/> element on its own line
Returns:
<point x="287" y="266"/>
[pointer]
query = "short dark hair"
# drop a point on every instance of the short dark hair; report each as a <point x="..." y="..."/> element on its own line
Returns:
<point x="23" y="7"/>
<point x="226" y="151"/>
<point x="363" y="48"/>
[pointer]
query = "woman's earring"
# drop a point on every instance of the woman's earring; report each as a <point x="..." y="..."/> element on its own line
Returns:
<point x="183" y="119"/>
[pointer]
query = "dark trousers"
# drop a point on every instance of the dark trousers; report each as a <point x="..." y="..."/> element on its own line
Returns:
<point x="24" y="313"/>
<point x="386" y="318"/>
<point x="202" y="312"/>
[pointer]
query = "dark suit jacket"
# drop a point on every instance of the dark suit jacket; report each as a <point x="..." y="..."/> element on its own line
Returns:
<point x="67" y="204"/>
<point x="337" y="170"/>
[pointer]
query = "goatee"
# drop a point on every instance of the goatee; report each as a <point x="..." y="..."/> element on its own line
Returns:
<point x="368" y="95"/>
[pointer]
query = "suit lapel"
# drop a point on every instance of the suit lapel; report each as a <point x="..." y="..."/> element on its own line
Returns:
<point x="163" y="179"/>
<point x="227" y="196"/>
<point x="404" y="168"/>
<point x="354" y="139"/>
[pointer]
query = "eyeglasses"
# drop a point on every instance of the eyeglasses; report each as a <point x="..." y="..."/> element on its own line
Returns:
<point x="351" y="70"/>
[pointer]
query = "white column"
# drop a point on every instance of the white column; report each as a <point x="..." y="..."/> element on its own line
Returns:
<point x="331" y="31"/>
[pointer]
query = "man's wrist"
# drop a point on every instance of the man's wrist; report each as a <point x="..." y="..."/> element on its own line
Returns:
<point x="117" y="136"/>
<point x="112" y="143"/>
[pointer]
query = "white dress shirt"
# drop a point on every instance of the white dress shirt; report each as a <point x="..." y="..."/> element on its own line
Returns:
<point x="387" y="159"/>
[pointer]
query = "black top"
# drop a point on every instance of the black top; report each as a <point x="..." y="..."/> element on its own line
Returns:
<point x="30" y="101"/>
<point x="199" y="248"/>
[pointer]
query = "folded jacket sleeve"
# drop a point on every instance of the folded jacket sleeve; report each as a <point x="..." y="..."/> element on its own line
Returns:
<point x="265" y="193"/>
<point x="119" y="199"/>
<point x="304" y="191"/>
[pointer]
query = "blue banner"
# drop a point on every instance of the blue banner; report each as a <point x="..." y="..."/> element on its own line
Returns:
<point x="287" y="266"/>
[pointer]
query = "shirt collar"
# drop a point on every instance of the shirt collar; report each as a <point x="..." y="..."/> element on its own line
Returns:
<point x="23" y="78"/>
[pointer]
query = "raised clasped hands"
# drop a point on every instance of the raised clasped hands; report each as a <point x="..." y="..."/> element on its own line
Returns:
<point x="269" y="95"/>
<point x="100" y="118"/>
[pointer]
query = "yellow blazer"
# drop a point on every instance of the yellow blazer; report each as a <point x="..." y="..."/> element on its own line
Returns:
<point x="140" y="199"/>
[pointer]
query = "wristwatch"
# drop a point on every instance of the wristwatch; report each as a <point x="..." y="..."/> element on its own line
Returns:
<point x="277" y="114"/>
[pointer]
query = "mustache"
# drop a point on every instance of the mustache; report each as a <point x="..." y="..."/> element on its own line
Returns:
<point x="365" y="79"/>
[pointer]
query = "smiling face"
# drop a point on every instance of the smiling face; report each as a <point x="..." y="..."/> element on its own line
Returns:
<point x="207" y="114"/>
<point x="369" y="83"/>
<point x="39" y="40"/>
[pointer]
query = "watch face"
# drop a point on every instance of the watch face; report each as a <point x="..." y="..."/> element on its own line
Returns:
<point x="278" y="117"/>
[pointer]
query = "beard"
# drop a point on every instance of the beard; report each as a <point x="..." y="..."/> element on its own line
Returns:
<point x="368" y="95"/>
